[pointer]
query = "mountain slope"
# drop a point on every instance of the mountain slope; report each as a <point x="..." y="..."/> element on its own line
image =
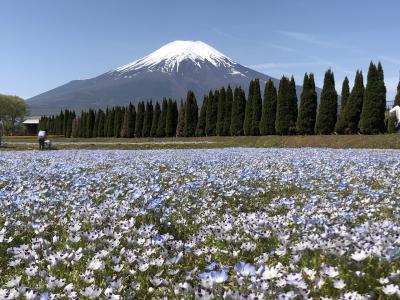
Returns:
<point x="167" y="72"/>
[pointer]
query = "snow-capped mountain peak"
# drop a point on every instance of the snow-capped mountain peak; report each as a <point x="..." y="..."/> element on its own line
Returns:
<point x="169" y="58"/>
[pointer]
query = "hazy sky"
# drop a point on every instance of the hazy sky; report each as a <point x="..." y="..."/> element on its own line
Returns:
<point x="46" y="43"/>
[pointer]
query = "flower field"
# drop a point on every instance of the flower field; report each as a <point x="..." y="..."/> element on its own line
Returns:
<point x="236" y="223"/>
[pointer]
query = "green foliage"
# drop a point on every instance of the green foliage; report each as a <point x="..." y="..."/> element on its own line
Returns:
<point x="110" y="122"/>
<point x="228" y="111"/>
<point x="256" y="108"/>
<point x="100" y="128"/>
<point x="397" y="98"/>
<point x="345" y="93"/>
<point x="221" y="111"/>
<point x="127" y="124"/>
<point x="181" y="120"/>
<point x="147" y="120"/>
<point x="283" y="116"/>
<point x="391" y="128"/>
<point x="268" y="116"/>
<point x="237" y="115"/>
<point x="211" y="113"/>
<point x="201" y="124"/>
<point x="349" y="118"/>
<point x="293" y="106"/>
<point x="172" y="115"/>
<point x="163" y="119"/>
<point x="13" y="110"/>
<point x="372" y="120"/>
<point x="155" y="121"/>
<point x="327" y="112"/>
<point x="308" y="107"/>
<point x="139" y="119"/>
<point x="191" y="115"/>
<point x="248" y="114"/>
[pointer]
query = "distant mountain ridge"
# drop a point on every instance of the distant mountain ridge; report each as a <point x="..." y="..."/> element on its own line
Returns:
<point x="167" y="72"/>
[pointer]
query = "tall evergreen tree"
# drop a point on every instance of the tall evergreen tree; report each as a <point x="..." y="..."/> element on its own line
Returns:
<point x="349" y="118"/>
<point x="372" y="120"/>
<point x="100" y="129"/>
<point x="118" y="119"/>
<point x="60" y="124"/>
<point x="96" y="123"/>
<point x="256" y="108"/>
<point x="132" y="120"/>
<point x="90" y="123"/>
<point x="397" y="98"/>
<point x="248" y="114"/>
<point x="125" y="124"/>
<point x="66" y="117"/>
<point x="106" y="121"/>
<point x="238" y="109"/>
<point x="221" y="111"/>
<point x="110" y="127"/>
<point x="201" y="124"/>
<point x="71" y="119"/>
<point x="191" y="115"/>
<point x="171" y="119"/>
<point x="283" y="116"/>
<point x="308" y="107"/>
<point x="268" y="115"/>
<point x="156" y="119"/>
<point x="327" y="112"/>
<point x="382" y="92"/>
<point x="293" y="106"/>
<point x="139" y="119"/>
<point x="163" y="119"/>
<point x="228" y="111"/>
<point x="345" y="94"/>
<point x="180" y="127"/>
<point x="212" y="113"/>
<point x="175" y="115"/>
<point x="147" y="120"/>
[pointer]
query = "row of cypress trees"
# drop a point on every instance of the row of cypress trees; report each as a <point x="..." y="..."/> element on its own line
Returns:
<point x="227" y="112"/>
<point x="363" y="109"/>
<point x="145" y="121"/>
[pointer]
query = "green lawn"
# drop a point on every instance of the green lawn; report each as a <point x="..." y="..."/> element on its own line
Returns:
<point x="384" y="141"/>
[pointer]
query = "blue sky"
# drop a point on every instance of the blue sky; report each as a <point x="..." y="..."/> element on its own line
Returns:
<point x="47" y="43"/>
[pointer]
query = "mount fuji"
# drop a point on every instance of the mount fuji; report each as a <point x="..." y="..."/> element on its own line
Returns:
<point x="167" y="72"/>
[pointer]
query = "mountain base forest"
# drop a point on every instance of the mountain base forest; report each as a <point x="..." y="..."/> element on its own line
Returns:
<point x="229" y="112"/>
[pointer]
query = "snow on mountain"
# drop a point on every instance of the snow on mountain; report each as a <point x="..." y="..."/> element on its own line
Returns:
<point x="169" y="57"/>
<point x="167" y="72"/>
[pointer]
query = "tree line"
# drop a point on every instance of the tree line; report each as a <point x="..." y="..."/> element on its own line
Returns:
<point x="228" y="112"/>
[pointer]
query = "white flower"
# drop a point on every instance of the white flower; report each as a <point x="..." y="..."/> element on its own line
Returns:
<point x="155" y="281"/>
<point x="310" y="273"/>
<point x="96" y="264"/>
<point x="13" y="282"/>
<point x="359" y="256"/>
<point x="339" y="284"/>
<point x="270" y="272"/>
<point x="330" y="271"/>
<point x="91" y="292"/>
<point x="143" y="267"/>
<point x="390" y="289"/>
<point x="383" y="280"/>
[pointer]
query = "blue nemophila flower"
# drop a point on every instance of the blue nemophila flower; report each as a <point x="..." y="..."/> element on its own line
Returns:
<point x="138" y="223"/>
<point x="209" y="279"/>
<point x="245" y="269"/>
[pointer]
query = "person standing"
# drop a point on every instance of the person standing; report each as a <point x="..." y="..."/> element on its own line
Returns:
<point x="42" y="135"/>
